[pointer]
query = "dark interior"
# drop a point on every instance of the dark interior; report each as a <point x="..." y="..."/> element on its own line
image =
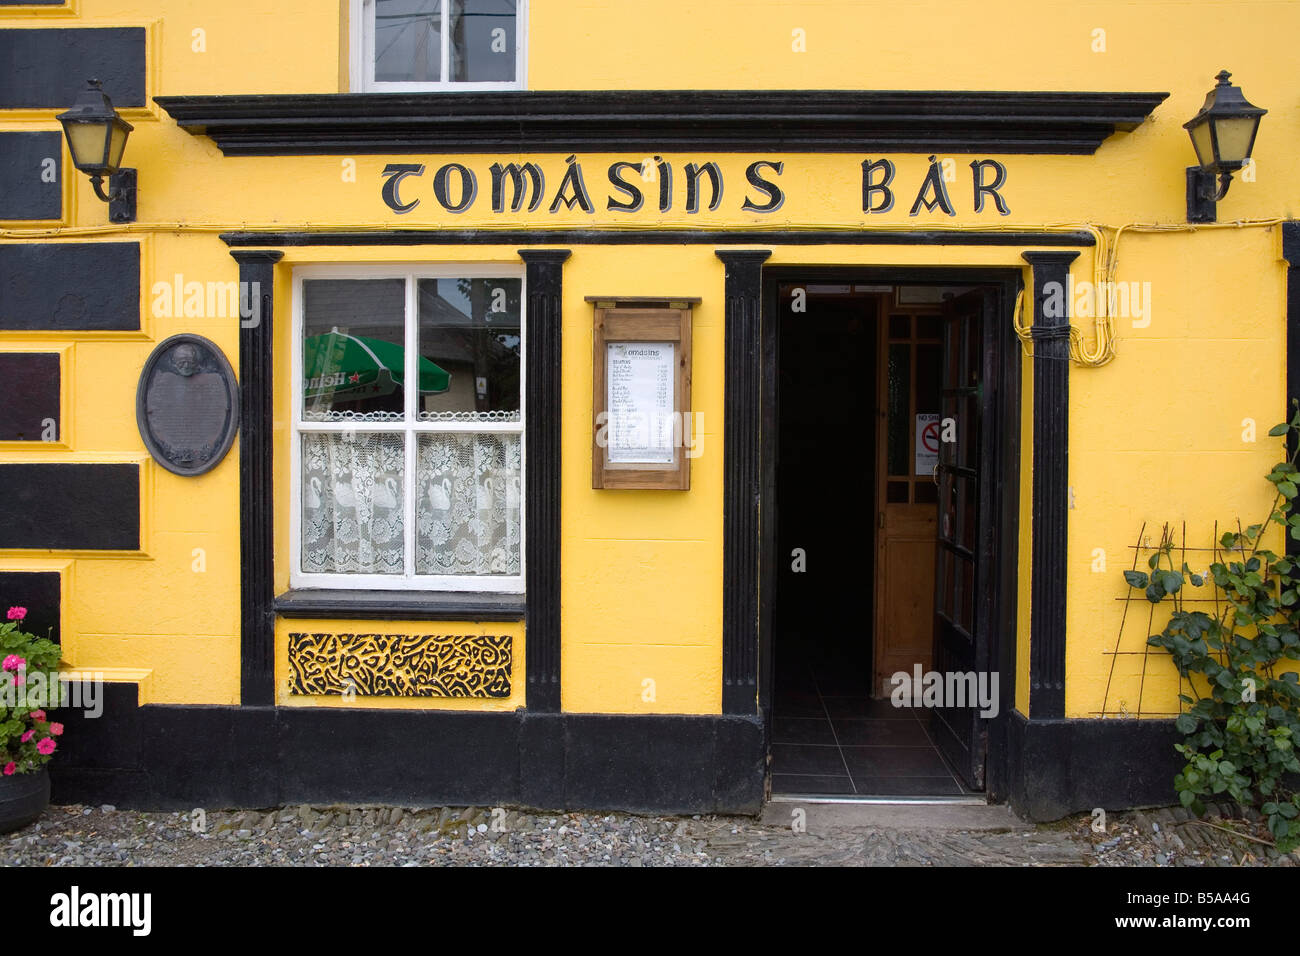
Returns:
<point x="827" y="490"/>
<point x="831" y="732"/>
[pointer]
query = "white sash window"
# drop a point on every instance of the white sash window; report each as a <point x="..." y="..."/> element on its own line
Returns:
<point x="408" y="450"/>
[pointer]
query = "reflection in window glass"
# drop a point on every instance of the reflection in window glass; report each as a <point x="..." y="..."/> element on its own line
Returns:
<point x="408" y="41"/>
<point x="900" y="381"/>
<point x="469" y="342"/>
<point x="353" y="350"/>
<point x="482" y="40"/>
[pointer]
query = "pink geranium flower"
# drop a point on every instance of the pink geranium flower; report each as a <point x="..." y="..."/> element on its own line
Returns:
<point x="17" y="613"/>
<point x="28" y="736"/>
<point x="13" y="662"/>
<point x="10" y="768"/>
<point x="38" y="715"/>
<point x="46" y="746"/>
<point x="56" y="729"/>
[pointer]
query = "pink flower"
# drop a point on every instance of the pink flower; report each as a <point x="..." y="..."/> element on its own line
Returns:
<point x="56" y="729"/>
<point x="38" y="715"/>
<point x="19" y="679"/>
<point x="13" y="662"/>
<point x="46" y="746"/>
<point x="10" y="767"/>
<point x="28" y="736"/>
<point x="17" y="613"/>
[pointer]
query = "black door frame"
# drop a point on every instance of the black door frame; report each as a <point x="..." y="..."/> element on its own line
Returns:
<point x="998" y="626"/>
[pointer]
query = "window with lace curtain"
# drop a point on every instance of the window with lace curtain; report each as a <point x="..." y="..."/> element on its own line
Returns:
<point x="408" y="413"/>
<point x="415" y="45"/>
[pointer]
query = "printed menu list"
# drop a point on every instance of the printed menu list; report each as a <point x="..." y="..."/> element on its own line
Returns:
<point x="639" y="401"/>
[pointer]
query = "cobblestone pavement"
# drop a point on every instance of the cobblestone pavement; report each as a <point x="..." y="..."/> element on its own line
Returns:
<point x="374" y="836"/>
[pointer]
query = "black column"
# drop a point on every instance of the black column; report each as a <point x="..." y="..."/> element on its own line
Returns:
<point x="1291" y="252"/>
<point x="256" y="477"/>
<point x="1051" y="334"/>
<point x="741" y="416"/>
<point x="543" y="279"/>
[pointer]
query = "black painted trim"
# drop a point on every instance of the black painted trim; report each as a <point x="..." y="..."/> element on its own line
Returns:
<point x="543" y="283"/>
<point x="1051" y="337"/>
<point x="32" y="383"/>
<point x="742" y="408"/>
<point x="655" y="121"/>
<point x="167" y="757"/>
<point x="70" y="286"/>
<point x="1060" y="766"/>
<point x="41" y="592"/>
<point x="47" y="68"/>
<point x="256" y="480"/>
<point x="660" y="237"/>
<point x="73" y="506"/>
<point x="1291" y="253"/>
<point x="24" y="194"/>
<point x="399" y="605"/>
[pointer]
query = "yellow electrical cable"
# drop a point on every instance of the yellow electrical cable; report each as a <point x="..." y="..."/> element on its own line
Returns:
<point x="1105" y="259"/>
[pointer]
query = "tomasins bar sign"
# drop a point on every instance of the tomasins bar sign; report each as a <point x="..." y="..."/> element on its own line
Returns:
<point x="455" y="186"/>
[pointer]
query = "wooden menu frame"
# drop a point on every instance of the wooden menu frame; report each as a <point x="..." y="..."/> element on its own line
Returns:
<point x="630" y="320"/>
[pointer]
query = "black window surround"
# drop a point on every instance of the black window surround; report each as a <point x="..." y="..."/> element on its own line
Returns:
<point x="720" y="121"/>
<point x="539" y="607"/>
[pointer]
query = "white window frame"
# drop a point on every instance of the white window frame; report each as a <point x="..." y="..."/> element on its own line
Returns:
<point x="410" y="428"/>
<point x="361" y="44"/>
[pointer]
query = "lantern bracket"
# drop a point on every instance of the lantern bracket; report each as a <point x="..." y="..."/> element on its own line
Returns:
<point x="1202" y="195"/>
<point x="120" y="196"/>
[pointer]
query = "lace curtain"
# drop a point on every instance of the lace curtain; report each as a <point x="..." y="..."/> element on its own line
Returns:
<point x="352" y="503"/>
<point x="467" y="511"/>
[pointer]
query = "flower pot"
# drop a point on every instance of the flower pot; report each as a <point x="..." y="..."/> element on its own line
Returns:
<point x="23" y="798"/>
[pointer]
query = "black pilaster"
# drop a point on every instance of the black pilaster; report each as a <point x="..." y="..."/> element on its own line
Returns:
<point x="544" y="284"/>
<point x="1051" y="334"/>
<point x="256" y="478"/>
<point x="741" y="414"/>
<point x="1291" y="252"/>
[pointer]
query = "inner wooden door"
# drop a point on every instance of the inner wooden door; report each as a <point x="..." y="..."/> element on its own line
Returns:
<point x="907" y="443"/>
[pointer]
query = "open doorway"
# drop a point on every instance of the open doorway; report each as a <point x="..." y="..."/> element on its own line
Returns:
<point x="880" y="521"/>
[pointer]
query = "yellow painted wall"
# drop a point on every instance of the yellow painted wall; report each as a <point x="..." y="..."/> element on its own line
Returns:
<point x="1155" y="436"/>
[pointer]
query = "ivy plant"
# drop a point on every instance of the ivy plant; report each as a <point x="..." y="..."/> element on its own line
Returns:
<point x="1242" y="729"/>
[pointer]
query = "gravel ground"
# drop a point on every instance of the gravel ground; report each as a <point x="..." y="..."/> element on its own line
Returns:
<point x="382" y="836"/>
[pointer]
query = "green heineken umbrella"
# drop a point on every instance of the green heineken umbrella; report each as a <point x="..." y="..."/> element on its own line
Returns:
<point x="345" y="367"/>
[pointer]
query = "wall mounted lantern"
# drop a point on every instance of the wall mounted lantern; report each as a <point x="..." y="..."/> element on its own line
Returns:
<point x="97" y="138"/>
<point x="1223" y="135"/>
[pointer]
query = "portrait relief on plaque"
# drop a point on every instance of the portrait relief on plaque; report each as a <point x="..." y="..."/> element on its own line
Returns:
<point x="187" y="404"/>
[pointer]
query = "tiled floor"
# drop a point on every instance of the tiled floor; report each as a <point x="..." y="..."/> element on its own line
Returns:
<point x="830" y="737"/>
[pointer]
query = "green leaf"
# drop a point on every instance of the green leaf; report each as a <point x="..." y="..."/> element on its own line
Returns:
<point x="1136" y="579"/>
<point x="1277" y="431"/>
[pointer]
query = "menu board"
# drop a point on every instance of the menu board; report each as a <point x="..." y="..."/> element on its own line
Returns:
<point x="639" y="400"/>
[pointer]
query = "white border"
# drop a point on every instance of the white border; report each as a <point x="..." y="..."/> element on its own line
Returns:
<point x="513" y="584"/>
<point x="361" y="56"/>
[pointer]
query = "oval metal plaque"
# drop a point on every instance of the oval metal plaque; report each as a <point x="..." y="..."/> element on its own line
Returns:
<point x="187" y="404"/>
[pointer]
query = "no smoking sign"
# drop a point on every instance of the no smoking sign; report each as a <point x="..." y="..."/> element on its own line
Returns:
<point x="927" y="444"/>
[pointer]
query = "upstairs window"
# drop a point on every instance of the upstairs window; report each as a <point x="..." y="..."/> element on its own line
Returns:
<point x="421" y="45"/>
